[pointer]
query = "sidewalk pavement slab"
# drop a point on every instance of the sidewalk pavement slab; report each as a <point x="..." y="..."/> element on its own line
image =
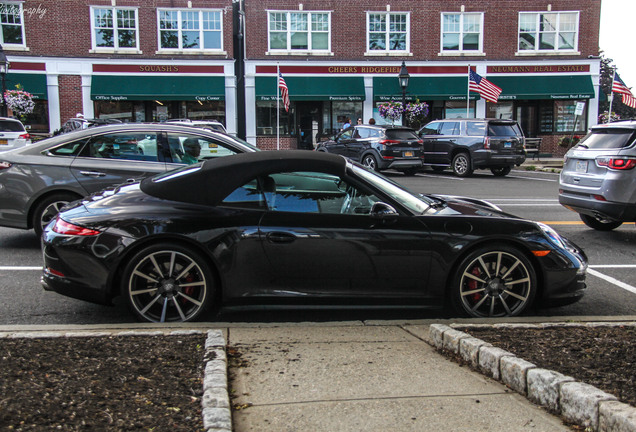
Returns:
<point x="366" y="378"/>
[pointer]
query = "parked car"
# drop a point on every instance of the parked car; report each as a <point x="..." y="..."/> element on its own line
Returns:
<point x="205" y="124"/>
<point x="36" y="181"/>
<point x="83" y="123"/>
<point x="598" y="179"/>
<point x="465" y="145"/>
<point x="12" y="134"/>
<point x="285" y="228"/>
<point x="378" y="147"/>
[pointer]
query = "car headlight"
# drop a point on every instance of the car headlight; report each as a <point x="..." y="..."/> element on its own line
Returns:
<point x="554" y="236"/>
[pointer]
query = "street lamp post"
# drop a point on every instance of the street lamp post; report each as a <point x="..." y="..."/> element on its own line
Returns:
<point x="403" y="77"/>
<point x="4" y="67"/>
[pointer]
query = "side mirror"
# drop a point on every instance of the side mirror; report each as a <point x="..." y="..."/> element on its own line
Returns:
<point x="380" y="209"/>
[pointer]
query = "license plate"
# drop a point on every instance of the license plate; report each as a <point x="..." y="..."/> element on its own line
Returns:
<point x="408" y="154"/>
<point x="4" y="142"/>
<point x="507" y="145"/>
<point x="581" y="166"/>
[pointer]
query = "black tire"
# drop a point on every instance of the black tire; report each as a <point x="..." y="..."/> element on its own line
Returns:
<point x="46" y="210"/>
<point x="369" y="161"/>
<point x="501" y="171"/>
<point x="462" y="166"/>
<point x="167" y="283"/>
<point x="493" y="281"/>
<point x="598" y="224"/>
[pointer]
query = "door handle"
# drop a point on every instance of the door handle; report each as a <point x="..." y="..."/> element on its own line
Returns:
<point x="92" y="173"/>
<point x="280" y="237"/>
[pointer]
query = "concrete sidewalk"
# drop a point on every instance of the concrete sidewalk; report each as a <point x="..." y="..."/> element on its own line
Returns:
<point x="366" y="378"/>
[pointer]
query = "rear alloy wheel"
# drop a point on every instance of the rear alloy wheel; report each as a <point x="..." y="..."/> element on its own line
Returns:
<point x="167" y="283"/>
<point x="47" y="210"/>
<point x="461" y="165"/>
<point x="599" y="224"/>
<point x="369" y="161"/>
<point x="494" y="282"/>
<point x="501" y="171"/>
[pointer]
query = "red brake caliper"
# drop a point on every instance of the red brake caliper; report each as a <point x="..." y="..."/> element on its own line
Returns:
<point x="472" y="285"/>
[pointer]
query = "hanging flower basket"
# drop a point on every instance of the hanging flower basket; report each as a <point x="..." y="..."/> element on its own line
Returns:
<point x="390" y="111"/>
<point x="19" y="101"/>
<point x="416" y="112"/>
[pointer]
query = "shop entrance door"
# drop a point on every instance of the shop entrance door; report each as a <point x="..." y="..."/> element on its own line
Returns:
<point x="527" y="118"/>
<point x="309" y="115"/>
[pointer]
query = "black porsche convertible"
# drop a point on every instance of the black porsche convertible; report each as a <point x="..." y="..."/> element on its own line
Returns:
<point x="281" y="228"/>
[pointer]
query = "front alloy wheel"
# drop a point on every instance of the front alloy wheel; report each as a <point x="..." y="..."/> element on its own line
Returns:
<point x="370" y="162"/>
<point x="494" y="282"/>
<point x="167" y="283"/>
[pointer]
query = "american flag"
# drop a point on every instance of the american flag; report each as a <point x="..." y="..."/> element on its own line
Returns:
<point x="618" y="86"/>
<point x="485" y="88"/>
<point x="284" y="92"/>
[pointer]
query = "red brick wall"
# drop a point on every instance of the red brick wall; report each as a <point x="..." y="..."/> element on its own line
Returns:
<point x="64" y="29"/>
<point x="70" y="87"/>
<point x="269" y="143"/>
<point x="348" y="26"/>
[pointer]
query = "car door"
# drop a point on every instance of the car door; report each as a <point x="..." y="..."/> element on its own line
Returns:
<point x="339" y="144"/>
<point x="430" y="135"/>
<point x="358" y="143"/>
<point x="320" y="239"/>
<point x="115" y="158"/>
<point x="447" y="141"/>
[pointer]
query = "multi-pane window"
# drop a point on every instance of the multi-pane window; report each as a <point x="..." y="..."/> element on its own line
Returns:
<point x="302" y="31"/>
<point x="462" y="32"/>
<point x="388" y="32"/>
<point x="11" y="19"/>
<point x="115" y="28"/>
<point x="548" y="31"/>
<point x="190" y="30"/>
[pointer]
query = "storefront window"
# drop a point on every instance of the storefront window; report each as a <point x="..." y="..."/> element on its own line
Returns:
<point x="500" y="110"/>
<point x="343" y="110"/>
<point x="38" y="120"/>
<point x="209" y="110"/>
<point x="119" y="110"/>
<point x="457" y="109"/>
<point x="268" y="116"/>
<point x="564" y="117"/>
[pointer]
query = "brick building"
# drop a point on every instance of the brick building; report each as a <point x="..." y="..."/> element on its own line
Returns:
<point x="152" y="60"/>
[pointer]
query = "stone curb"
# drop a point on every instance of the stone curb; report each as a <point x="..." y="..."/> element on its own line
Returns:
<point x="579" y="403"/>
<point x="217" y="415"/>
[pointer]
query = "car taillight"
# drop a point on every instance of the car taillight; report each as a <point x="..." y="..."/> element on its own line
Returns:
<point x="389" y="142"/>
<point x="616" y="163"/>
<point x="5" y="165"/>
<point x="66" y="228"/>
<point x="25" y="136"/>
<point x="487" y="143"/>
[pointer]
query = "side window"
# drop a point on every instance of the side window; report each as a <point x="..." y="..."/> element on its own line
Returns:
<point x="248" y="196"/>
<point x="191" y="149"/>
<point x="430" y="129"/>
<point x="69" y="149"/>
<point x="475" y="129"/>
<point x="362" y="132"/>
<point x="449" y="128"/>
<point x="346" y="134"/>
<point x="138" y="146"/>
<point x="375" y="133"/>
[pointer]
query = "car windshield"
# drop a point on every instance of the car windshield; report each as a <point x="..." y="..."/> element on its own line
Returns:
<point x="401" y="134"/>
<point x="10" y="126"/>
<point x="608" y="138"/>
<point x="415" y="203"/>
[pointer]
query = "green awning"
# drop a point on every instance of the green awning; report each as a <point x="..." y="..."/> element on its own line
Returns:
<point x="132" y="87"/>
<point x="422" y="88"/>
<point x="312" y="88"/>
<point x="544" y="87"/>
<point x="32" y="83"/>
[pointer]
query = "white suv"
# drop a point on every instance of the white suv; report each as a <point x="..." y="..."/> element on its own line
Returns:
<point x="598" y="179"/>
<point x="12" y="134"/>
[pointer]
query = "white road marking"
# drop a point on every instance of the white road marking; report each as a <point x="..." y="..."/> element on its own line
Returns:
<point x="20" y="268"/>
<point x="611" y="280"/>
<point x="532" y="178"/>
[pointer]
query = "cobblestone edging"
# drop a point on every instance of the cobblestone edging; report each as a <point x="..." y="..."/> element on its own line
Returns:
<point x="217" y="416"/>
<point x="576" y="402"/>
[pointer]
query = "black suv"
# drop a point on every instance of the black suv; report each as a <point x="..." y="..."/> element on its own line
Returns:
<point x="379" y="147"/>
<point x="469" y="144"/>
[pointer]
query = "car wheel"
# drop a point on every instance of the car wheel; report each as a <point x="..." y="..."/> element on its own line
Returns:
<point x="461" y="165"/>
<point x="496" y="281"/>
<point x="167" y="283"/>
<point x="599" y="224"/>
<point x="48" y="208"/>
<point x="369" y="161"/>
<point x="501" y="171"/>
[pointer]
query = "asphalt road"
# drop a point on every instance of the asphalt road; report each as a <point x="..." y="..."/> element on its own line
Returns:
<point x="532" y="195"/>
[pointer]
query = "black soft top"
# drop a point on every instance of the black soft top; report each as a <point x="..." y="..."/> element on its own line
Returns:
<point x="209" y="182"/>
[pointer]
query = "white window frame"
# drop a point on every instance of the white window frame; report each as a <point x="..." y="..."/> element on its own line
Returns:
<point x="289" y="50"/>
<point x="387" y="32"/>
<point x="180" y="30"/>
<point x="7" y="8"/>
<point x="461" y="51"/>
<point x="115" y="48"/>
<point x="538" y="32"/>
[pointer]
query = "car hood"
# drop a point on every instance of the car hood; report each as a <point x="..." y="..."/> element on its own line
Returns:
<point x="458" y="205"/>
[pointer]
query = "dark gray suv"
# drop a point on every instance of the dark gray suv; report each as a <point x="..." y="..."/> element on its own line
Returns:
<point x="469" y="144"/>
<point x="598" y="179"/>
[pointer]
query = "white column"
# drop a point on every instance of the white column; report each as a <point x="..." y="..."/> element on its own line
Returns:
<point x="88" y="108"/>
<point x="367" y="107"/>
<point x="53" y="93"/>
<point x="250" y="108"/>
